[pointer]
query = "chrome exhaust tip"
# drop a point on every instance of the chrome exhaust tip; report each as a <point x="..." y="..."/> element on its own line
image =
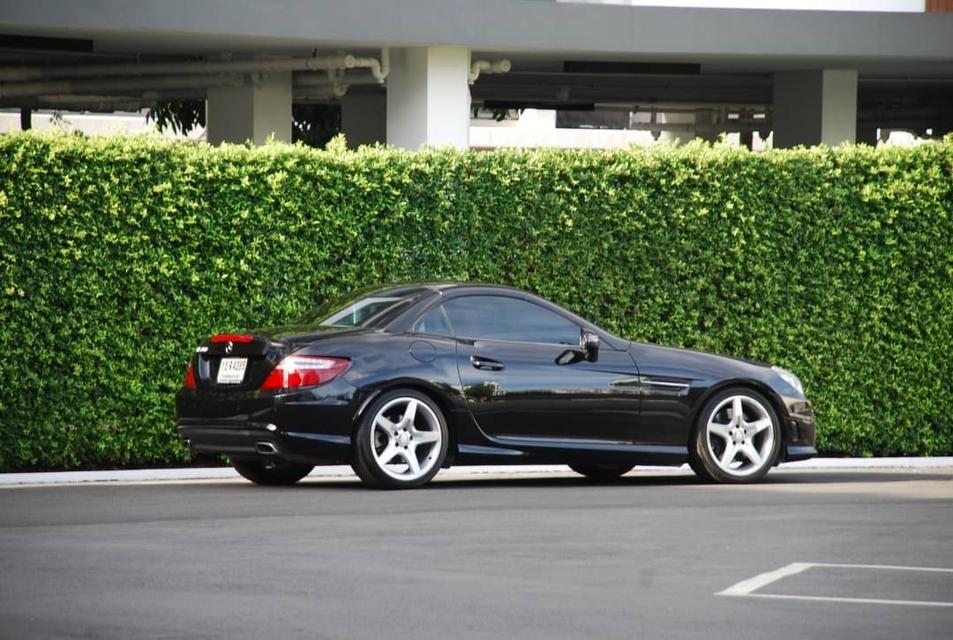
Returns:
<point x="266" y="448"/>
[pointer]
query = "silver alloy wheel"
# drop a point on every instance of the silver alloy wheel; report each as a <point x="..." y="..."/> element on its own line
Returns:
<point x="740" y="435"/>
<point x="405" y="438"/>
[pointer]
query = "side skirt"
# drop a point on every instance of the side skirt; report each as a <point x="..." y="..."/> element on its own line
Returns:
<point x="565" y="451"/>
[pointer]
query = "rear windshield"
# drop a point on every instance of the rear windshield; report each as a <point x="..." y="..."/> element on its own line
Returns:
<point x="373" y="308"/>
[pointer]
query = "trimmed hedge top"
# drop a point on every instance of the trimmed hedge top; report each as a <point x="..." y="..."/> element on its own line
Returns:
<point x="118" y="255"/>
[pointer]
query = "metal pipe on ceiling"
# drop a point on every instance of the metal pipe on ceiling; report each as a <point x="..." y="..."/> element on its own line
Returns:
<point x="486" y="66"/>
<point x="119" y="85"/>
<point x="316" y="94"/>
<point x="106" y="106"/>
<point x="315" y="79"/>
<point x="730" y="126"/>
<point x="379" y="68"/>
<point x="69" y="100"/>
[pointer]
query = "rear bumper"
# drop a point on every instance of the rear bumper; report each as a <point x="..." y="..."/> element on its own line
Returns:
<point x="310" y="426"/>
<point x="262" y="441"/>
<point x="241" y="440"/>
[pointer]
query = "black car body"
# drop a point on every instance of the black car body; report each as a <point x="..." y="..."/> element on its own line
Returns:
<point x="506" y="372"/>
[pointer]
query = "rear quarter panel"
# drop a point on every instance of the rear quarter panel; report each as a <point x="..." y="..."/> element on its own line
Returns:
<point x="382" y="361"/>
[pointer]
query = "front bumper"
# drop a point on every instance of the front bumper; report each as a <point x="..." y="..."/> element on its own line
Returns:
<point x="800" y="435"/>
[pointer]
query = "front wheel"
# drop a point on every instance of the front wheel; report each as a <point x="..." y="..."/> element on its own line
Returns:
<point x="602" y="472"/>
<point x="737" y="437"/>
<point x="401" y="441"/>
<point x="271" y="473"/>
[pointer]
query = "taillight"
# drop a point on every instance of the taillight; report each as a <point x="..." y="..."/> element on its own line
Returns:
<point x="190" y="377"/>
<point x="231" y="337"/>
<point x="304" y="371"/>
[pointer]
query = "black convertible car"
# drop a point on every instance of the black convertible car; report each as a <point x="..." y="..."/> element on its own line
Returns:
<point x="403" y="381"/>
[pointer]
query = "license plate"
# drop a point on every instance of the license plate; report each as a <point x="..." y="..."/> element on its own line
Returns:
<point x="231" y="370"/>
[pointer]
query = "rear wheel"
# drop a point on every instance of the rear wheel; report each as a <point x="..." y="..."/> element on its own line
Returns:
<point x="270" y="473"/>
<point x="602" y="472"/>
<point x="401" y="441"/>
<point x="737" y="437"/>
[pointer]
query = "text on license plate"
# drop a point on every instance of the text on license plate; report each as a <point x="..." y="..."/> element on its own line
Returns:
<point x="231" y="370"/>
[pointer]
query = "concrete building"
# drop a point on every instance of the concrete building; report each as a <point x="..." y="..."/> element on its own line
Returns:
<point x="413" y="72"/>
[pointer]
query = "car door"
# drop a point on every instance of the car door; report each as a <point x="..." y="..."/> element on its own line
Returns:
<point x="524" y="377"/>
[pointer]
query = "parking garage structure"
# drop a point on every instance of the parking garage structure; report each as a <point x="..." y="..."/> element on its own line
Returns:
<point x="413" y="75"/>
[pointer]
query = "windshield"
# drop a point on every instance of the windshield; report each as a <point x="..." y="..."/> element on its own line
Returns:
<point x="369" y="308"/>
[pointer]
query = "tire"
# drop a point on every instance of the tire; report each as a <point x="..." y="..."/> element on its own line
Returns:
<point x="272" y="475"/>
<point x="394" y="451"/>
<point x="722" y="450"/>
<point x="602" y="472"/>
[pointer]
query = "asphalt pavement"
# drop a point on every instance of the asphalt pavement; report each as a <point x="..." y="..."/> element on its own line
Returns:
<point x="809" y="553"/>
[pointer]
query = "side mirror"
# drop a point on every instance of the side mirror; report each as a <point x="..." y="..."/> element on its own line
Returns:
<point x="589" y="343"/>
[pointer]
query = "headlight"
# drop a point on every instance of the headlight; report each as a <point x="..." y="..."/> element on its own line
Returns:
<point x="790" y="378"/>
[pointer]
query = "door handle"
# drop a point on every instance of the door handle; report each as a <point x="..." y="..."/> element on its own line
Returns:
<point x="486" y="364"/>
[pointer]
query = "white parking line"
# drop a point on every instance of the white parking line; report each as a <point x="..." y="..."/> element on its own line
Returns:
<point x="747" y="588"/>
<point x="906" y="603"/>
<point x="880" y="567"/>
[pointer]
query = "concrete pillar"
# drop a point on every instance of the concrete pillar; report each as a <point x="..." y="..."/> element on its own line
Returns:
<point x="746" y="138"/>
<point x="259" y="108"/>
<point x="680" y="136"/>
<point x="428" y="97"/>
<point x="705" y="125"/>
<point x="364" y="118"/>
<point x="815" y="107"/>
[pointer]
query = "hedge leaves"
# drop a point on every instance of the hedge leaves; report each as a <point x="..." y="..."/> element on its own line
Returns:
<point x="118" y="255"/>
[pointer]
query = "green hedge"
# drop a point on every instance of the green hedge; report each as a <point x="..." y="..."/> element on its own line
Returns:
<point x="118" y="255"/>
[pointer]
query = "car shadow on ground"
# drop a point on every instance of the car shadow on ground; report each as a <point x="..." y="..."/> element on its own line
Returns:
<point x="641" y="480"/>
<point x="899" y="475"/>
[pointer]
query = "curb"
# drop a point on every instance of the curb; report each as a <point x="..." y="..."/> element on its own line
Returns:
<point x="191" y="474"/>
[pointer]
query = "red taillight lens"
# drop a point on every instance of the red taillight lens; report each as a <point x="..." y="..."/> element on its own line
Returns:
<point x="304" y="371"/>
<point x="231" y="337"/>
<point x="190" y="377"/>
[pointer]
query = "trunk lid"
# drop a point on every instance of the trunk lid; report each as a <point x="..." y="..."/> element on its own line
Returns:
<point x="241" y="362"/>
<point x="238" y="362"/>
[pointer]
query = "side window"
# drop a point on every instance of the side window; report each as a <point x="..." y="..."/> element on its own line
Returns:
<point x="504" y="318"/>
<point x="434" y="322"/>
